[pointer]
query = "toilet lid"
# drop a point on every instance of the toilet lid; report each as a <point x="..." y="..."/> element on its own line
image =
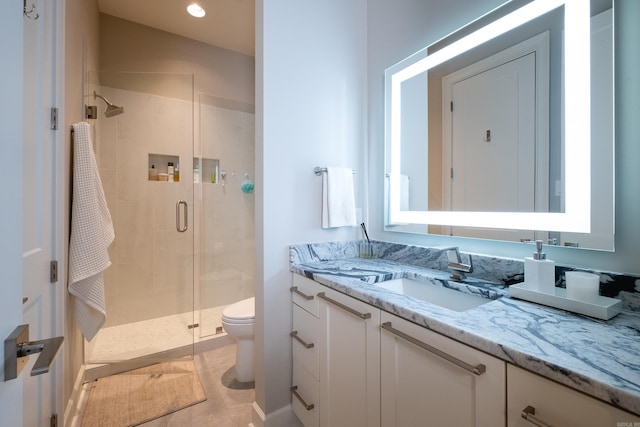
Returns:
<point x="244" y="309"/>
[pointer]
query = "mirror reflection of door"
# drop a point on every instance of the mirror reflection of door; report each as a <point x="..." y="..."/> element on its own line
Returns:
<point x="492" y="142"/>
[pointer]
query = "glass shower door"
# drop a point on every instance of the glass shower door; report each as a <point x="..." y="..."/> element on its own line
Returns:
<point x="145" y="158"/>
<point x="225" y="237"/>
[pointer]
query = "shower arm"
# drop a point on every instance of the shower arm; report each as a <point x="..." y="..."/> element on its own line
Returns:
<point x="96" y="95"/>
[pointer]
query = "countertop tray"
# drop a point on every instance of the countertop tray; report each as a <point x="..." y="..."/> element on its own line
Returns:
<point x="598" y="306"/>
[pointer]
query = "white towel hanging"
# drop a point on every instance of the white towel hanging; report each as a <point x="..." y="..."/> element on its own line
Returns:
<point x="338" y="200"/>
<point x="91" y="234"/>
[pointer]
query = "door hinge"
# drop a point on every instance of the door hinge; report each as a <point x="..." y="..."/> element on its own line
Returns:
<point x="54" y="118"/>
<point x="451" y="106"/>
<point x="53" y="420"/>
<point x="195" y="325"/>
<point x="53" y="272"/>
<point x="451" y="173"/>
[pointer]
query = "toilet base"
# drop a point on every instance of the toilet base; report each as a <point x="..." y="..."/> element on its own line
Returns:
<point x="244" y="361"/>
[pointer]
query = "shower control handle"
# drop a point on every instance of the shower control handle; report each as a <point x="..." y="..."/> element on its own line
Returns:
<point x="179" y="224"/>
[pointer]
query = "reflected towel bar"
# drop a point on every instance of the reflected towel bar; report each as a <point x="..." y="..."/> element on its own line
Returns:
<point x="319" y="171"/>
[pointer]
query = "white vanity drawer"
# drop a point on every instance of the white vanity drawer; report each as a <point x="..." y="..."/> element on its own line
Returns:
<point x="304" y="293"/>
<point x="543" y="400"/>
<point x="305" y="394"/>
<point x="305" y="340"/>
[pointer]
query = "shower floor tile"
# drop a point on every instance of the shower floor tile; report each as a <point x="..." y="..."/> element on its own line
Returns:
<point x="138" y="339"/>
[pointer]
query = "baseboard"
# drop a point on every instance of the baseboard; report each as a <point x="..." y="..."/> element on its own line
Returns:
<point x="283" y="417"/>
<point x="73" y="410"/>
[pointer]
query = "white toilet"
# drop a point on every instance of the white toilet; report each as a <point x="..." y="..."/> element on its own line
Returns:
<point x="239" y="320"/>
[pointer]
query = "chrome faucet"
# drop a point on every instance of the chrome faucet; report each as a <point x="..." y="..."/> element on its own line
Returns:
<point x="455" y="265"/>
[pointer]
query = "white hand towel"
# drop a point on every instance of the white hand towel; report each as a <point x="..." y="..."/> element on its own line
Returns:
<point x="338" y="200"/>
<point x="91" y="234"/>
<point x="404" y="192"/>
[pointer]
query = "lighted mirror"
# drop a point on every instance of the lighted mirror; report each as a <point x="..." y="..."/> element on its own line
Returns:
<point x="503" y="130"/>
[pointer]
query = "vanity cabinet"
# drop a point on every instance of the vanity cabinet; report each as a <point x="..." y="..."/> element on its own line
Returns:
<point x="356" y="365"/>
<point x="336" y="357"/>
<point x="546" y="403"/>
<point x="429" y="379"/>
<point x="349" y="361"/>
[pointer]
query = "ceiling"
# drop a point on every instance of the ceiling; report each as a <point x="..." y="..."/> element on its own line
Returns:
<point x="228" y="23"/>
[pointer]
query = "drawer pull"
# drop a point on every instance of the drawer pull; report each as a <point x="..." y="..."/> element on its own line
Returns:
<point x="344" y="307"/>
<point x="307" y="406"/>
<point x="294" y="335"/>
<point x="302" y="294"/>
<point x="529" y="413"/>
<point x="476" y="370"/>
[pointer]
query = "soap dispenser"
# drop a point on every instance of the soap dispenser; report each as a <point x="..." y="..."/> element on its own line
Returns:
<point x="540" y="272"/>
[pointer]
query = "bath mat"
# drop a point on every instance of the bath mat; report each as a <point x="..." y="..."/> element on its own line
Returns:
<point x="138" y="396"/>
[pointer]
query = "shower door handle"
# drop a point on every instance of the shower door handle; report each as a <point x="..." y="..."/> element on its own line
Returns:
<point x="179" y="224"/>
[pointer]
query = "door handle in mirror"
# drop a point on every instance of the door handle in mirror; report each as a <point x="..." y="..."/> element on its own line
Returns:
<point x="17" y="345"/>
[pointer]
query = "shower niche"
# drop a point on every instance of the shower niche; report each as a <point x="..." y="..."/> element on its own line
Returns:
<point x="209" y="170"/>
<point x="159" y="165"/>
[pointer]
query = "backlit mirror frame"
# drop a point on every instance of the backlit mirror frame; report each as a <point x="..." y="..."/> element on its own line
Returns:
<point x="577" y="115"/>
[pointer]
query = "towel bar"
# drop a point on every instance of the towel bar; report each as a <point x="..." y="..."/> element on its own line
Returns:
<point x="319" y="171"/>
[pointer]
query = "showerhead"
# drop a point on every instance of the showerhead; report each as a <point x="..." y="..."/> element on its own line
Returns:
<point x="112" y="110"/>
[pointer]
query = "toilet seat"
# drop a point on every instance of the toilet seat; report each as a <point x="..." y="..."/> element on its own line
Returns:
<point x="240" y="312"/>
<point x="239" y="321"/>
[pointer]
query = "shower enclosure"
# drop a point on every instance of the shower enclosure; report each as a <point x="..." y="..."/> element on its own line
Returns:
<point x="184" y="240"/>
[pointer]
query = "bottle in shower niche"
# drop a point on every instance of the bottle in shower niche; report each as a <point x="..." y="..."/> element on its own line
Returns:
<point x="153" y="173"/>
<point x="176" y="173"/>
<point x="196" y="174"/>
<point x="170" y="171"/>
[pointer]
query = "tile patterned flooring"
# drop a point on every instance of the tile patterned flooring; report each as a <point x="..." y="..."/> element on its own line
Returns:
<point x="228" y="402"/>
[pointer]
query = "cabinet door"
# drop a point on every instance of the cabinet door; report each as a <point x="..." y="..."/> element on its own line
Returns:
<point x="428" y="379"/>
<point x="349" y="345"/>
<point x="552" y="404"/>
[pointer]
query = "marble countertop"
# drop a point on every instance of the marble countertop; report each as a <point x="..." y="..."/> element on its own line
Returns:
<point x="599" y="358"/>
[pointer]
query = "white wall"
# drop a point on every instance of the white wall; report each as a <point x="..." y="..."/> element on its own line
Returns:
<point x="399" y="28"/>
<point x="310" y="111"/>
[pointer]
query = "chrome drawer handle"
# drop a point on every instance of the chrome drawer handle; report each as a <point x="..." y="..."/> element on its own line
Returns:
<point x="307" y="406"/>
<point x="302" y="294"/>
<point x="529" y="413"/>
<point x="476" y="370"/>
<point x="344" y="307"/>
<point x="294" y="335"/>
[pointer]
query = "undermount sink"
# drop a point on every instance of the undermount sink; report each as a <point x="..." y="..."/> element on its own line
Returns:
<point x="443" y="297"/>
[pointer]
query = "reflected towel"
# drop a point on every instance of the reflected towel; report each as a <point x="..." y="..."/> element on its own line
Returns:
<point x="91" y="234"/>
<point x="338" y="200"/>
<point x="404" y="192"/>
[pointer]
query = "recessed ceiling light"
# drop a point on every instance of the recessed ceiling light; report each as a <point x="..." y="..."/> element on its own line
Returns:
<point x="196" y="10"/>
